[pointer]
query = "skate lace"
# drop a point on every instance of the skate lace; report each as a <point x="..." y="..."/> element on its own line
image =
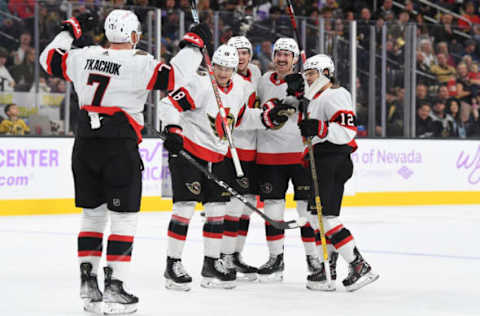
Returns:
<point x="179" y="269"/>
<point x="269" y="263"/>
<point x="315" y="263"/>
<point x="228" y="261"/>
<point x="220" y="265"/>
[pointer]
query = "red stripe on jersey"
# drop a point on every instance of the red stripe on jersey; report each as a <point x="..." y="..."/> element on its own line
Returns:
<point x="308" y="239"/>
<point x="240" y="115"/>
<point x="248" y="76"/>
<point x="118" y="258"/>
<point x="213" y="235"/>
<point x="171" y="79"/>
<point x="64" y="67"/>
<point x="153" y="79"/>
<point x="276" y="237"/>
<point x="242" y="233"/>
<point x="334" y="230"/>
<point x="201" y="152"/>
<point x="353" y="144"/>
<point x="90" y="234"/>
<point x="244" y="154"/>
<point x="215" y="218"/>
<point x="176" y="236"/>
<point x="252" y="99"/>
<point x="110" y="110"/>
<point x="245" y="217"/>
<point x="346" y="123"/>
<point x="343" y="242"/>
<point x="230" y="234"/>
<point x="279" y="158"/>
<point x="231" y="218"/>
<point x="89" y="253"/>
<point x="181" y="219"/>
<point x="274" y="79"/>
<point x="49" y="60"/>
<point x="177" y="104"/>
<point x="120" y="238"/>
<point x="228" y="88"/>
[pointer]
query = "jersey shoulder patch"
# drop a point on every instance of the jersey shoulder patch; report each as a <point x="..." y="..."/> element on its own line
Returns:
<point x="141" y="52"/>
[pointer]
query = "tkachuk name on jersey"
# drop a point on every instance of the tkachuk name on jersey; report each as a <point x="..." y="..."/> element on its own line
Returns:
<point x="104" y="66"/>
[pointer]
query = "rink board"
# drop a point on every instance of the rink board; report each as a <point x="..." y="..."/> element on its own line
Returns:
<point x="35" y="174"/>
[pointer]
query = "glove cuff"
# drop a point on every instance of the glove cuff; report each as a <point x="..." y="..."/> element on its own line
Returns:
<point x="322" y="129"/>
<point x="74" y="27"/>
<point x="193" y="39"/>
<point x="174" y="129"/>
<point x="266" y="120"/>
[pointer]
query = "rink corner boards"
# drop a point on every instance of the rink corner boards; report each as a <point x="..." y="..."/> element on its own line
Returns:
<point x="66" y="206"/>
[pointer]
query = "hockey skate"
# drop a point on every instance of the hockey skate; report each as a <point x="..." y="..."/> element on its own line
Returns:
<point x="272" y="270"/>
<point x="317" y="281"/>
<point x="360" y="273"/>
<point x="243" y="270"/>
<point x="216" y="275"/>
<point x="115" y="300"/>
<point x="176" y="277"/>
<point x="314" y="264"/>
<point x="89" y="291"/>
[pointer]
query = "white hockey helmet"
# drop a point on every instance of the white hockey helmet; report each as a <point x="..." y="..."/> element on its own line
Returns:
<point x="119" y="26"/>
<point x="320" y="62"/>
<point x="226" y="56"/>
<point x="288" y="44"/>
<point x="241" y="42"/>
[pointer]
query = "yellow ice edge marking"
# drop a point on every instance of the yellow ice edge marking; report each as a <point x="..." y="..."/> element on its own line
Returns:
<point x="151" y="203"/>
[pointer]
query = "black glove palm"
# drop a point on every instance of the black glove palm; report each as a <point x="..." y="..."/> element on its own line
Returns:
<point x="295" y="85"/>
<point x="311" y="127"/>
<point x="277" y="115"/>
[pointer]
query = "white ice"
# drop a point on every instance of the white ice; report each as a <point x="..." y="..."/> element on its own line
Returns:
<point x="428" y="259"/>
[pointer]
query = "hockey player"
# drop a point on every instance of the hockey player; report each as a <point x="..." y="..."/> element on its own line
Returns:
<point x="112" y="86"/>
<point x="279" y="161"/>
<point x="237" y="217"/>
<point x="332" y="124"/>
<point x="204" y="139"/>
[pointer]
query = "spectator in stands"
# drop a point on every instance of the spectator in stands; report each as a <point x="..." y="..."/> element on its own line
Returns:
<point x="23" y="74"/>
<point x="470" y="49"/>
<point x="464" y="87"/>
<point x="363" y="27"/>
<point x="442" y="47"/>
<point x="409" y="8"/>
<point x="469" y="14"/>
<point x="426" y="49"/>
<point x="394" y="100"/>
<point x="24" y="47"/>
<point x="442" y="121"/>
<point x="423" y="123"/>
<point x="385" y="9"/>
<point x="6" y="81"/>
<point x="444" y="31"/>
<point x="459" y="129"/>
<point x="442" y="70"/>
<point x="398" y="28"/>
<point x="13" y="124"/>
<point x="265" y="55"/>
<point x="42" y="86"/>
<point x="443" y="93"/>
<point x="422" y="95"/>
<point x="24" y="9"/>
<point x="474" y="76"/>
<point x="333" y="6"/>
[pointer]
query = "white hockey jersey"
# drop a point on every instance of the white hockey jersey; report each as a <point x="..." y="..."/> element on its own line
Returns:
<point x="253" y="74"/>
<point x="335" y="107"/>
<point x="201" y="122"/>
<point x="245" y="141"/>
<point x="282" y="146"/>
<point x="116" y="78"/>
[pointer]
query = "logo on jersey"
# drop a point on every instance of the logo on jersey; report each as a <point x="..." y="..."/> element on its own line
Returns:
<point x="216" y="124"/>
<point x="243" y="182"/>
<point x="194" y="187"/>
<point x="266" y="187"/>
<point x="116" y="202"/>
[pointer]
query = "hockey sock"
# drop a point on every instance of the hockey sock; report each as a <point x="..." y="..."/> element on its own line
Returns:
<point x="90" y="238"/>
<point x="120" y="243"/>
<point x="340" y="237"/>
<point x="213" y="229"/>
<point x="275" y="209"/>
<point x="306" y="232"/>
<point x="244" y="223"/>
<point x="178" y="228"/>
<point x="230" y="226"/>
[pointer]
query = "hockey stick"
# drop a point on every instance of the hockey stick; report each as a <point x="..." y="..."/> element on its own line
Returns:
<point x="221" y="108"/>
<point x="301" y="221"/>
<point x="311" y="157"/>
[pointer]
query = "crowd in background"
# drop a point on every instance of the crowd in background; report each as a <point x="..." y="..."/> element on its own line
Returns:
<point x="448" y="52"/>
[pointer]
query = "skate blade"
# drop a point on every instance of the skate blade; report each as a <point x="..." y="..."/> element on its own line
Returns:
<point x="321" y="286"/>
<point x="119" y="309"/>
<point x="92" y="307"/>
<point x="247" y="277"/>
<point x="364" y="280"/>
<point x="271" y="278"/>
<point x="171" y="285"/>
<point x="212" y="283"/>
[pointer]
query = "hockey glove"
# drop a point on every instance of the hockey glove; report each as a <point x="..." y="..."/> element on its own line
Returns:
<point x="311" y="127"/>
<point x="274" y="116"/>
<point x="174" y="139"/>
<point x="295" y="85"/>
<point x="79" y="25"/>
<point x="199" y="36"/>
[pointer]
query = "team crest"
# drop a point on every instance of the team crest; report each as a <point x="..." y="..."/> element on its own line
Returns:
<point x="116" y="202"/>
<point x="243" y="182"/>
<point x="216" y="124"/>
<point x="194" y="187"/>
<point x="266" y="187"/>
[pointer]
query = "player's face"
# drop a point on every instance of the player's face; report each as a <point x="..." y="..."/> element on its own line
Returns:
<point x="311" y="75"/>
<point x="283" y="61"/>
<point x="222" y="74"/>
<point x="243" y="59"/>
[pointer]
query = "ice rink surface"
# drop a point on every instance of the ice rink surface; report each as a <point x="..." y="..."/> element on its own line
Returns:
<point x="428" y="259"/>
